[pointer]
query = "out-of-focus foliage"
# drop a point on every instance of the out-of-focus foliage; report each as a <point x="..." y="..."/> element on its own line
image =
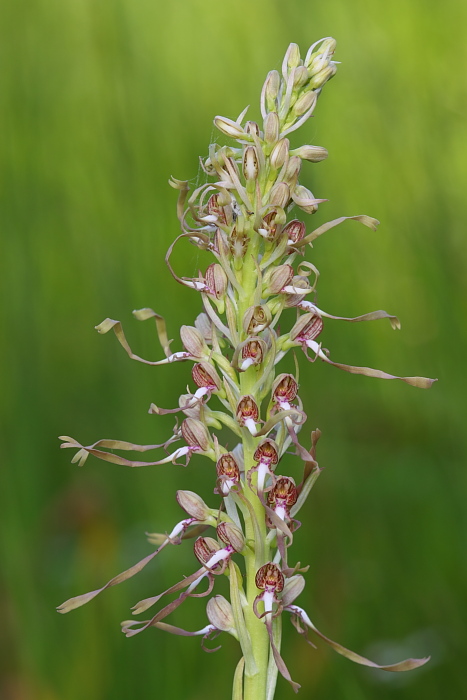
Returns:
<point x="101" y="102"/>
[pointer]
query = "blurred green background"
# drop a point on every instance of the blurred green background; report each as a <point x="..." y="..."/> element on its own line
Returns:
<point x="101" y="103"/>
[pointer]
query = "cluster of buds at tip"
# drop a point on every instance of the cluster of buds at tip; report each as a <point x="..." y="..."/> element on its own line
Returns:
<point x="257" y="273"/>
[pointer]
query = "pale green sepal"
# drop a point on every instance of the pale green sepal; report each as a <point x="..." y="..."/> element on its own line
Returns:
<point x="237" y="689"/>
<point x="243" y="634"/>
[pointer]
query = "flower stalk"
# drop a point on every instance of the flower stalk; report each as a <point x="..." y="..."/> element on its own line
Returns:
<point x="242" y="216"/>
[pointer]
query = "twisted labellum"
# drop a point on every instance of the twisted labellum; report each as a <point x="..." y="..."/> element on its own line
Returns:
<point x="241" y="215"/>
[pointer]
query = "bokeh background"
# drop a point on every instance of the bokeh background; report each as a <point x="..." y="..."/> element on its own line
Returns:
<point x="101" y="103"/>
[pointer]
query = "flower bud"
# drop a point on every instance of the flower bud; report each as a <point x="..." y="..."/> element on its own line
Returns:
<point x="308" y="327"/>
<point x="305" y="102"/>
<point x="316" y="60"/>
<point x="295" y="231"/>
<point x="267" y="452"/>
<point x="247" y="409"/>
<point x="229" y="127"/>
<point x="312" y="153"/>
<point x="256" y="319"/>
<point x="204" y="375"/>
<point x="252" y="128"/>
<point x="279" y="153"/>
<point x="219" y="613"/>
<point x="204" y="548"/>
<point x="193" y="505"/>
<point x="271" y="90"/>
<point x="250" y="164"/>
<point x="301" y="77"/>
<point x="193" y="341"/>
<point x="280" y="195"/>
<point x="285" y="388"/>
<point x="231" y="535"/>
<point x="271" y="127"/>
<point x="292" y="589"/>
<point x="277" y="279"/>
<point x="291" y="58"/>
<point x="305" y="199"/>
<point x="284" y="493"/>
<point x="196" y="434"/>
<point x="216" y="280"/>
<point x="204" y="326"/>
<point x="320" y="78"/>
<point x="293" y="171"/>
<point x="269" y="577"/>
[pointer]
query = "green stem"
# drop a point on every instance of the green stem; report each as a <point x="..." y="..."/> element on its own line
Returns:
<point x="254" y="686"/>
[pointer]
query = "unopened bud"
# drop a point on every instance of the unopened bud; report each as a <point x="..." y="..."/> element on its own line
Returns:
<point x="196" y="434"/>
<point x="320" y="78"/>
<point x="316" y="60"/>
<point x="304" y="103"/>
<point x="305" y="199"/>
<point x="193" y="505"/>
<point x="279" y="153"/>
<point x="216" y="280"/>
<point x="231" y="535"/>
<point x="252" y="128"/>
<point x="204" y="548"/>
<point x="291" y="58"/>
<point x="219" y="613"/>
<point x="301" y="76"/>
<point x="293" y="171"/>
<point x="229" y="127"/>
<point x="269" y="577"/>
<point x="308" y="327"/>
<point x="312" y="153"/>
<point x="280" y="195"/>
<point x="271" y="127"/>
<point x="277" y="279"/>
<point x="193" y="341"/>
<point x="250" y="164"/>
<point x="267" y="452"/>
<point x="256" y="319"/>
<point x="271" y="88"/>
<point x="292" y="589"/>
<point x="190" y="408"/>
<point x="204" y="375"/>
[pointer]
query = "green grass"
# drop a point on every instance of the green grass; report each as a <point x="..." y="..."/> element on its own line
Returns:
<point x="102" y="102"/>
